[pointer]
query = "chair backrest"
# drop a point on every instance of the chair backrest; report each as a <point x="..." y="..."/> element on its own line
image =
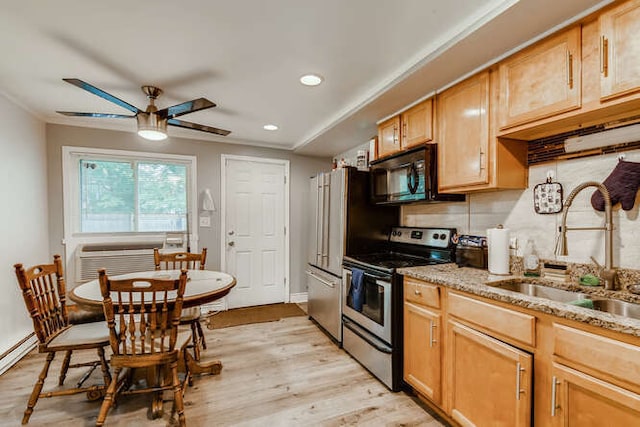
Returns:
<point x="180" y="260"/>
<point x="44" y="293"/>
<point x="142" y="314"/>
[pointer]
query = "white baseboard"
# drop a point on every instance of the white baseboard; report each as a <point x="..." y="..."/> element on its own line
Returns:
<point x="18" y="352"/>
<point x="298" y="297"/>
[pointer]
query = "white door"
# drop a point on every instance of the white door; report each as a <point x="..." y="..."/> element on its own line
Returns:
<point x="255" y="215"/>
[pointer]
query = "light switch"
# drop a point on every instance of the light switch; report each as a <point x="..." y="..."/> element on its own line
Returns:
<point x="205" y="221"/>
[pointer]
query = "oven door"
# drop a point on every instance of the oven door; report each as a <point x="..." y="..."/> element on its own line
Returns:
<point x="375" y="313"/>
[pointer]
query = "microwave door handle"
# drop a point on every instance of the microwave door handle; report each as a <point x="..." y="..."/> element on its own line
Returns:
<point x="412" y="179"/>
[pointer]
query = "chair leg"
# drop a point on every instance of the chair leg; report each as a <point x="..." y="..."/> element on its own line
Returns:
<point x="199" y="326"/>
<point x="108" y="399"/>
<point x="37" y="388"/>
<point x="65" y="367"/>
<point x="106" y="374"/>
<point x="177" y="394"/>
<point x="194" y="338"/>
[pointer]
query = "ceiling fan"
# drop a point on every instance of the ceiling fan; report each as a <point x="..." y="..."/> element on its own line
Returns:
<point x="152" y="123"/>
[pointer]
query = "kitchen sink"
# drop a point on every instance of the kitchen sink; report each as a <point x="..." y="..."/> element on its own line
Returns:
<point x="542" y="291"/>
<point x="618" y="307"/>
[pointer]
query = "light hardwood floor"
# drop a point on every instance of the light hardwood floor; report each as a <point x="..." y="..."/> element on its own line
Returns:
<point x="284" y="373"/>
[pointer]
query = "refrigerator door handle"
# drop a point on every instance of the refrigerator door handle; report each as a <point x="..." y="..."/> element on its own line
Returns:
<point x="320" y="279"/>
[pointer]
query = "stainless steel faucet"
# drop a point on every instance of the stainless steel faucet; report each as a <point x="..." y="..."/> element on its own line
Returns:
<point x="608" y="274"/>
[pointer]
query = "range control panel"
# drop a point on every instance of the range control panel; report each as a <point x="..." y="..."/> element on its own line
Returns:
<point x="435" y="237"/>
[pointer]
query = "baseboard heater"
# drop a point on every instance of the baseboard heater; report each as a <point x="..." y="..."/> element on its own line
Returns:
<point x="116" y="258"/>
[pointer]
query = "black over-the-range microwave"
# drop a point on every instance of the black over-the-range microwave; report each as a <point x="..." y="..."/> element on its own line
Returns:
<point x="410" y="176"/>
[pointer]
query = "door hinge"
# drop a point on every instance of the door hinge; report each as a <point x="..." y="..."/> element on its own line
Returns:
<point x="285" y="179"/>
<point x="285" y="231"/>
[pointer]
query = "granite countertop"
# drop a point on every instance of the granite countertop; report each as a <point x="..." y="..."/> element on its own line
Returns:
<point x="476" y="281"/>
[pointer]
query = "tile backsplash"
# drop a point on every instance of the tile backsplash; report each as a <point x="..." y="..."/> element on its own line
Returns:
<point x="514" y="209"/>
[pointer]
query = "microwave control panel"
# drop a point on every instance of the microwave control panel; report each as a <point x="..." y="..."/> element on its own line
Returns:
<point x="434" y="237"/>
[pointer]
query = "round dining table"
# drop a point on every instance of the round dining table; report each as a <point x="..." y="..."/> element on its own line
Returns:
<point x="203" y="286"/>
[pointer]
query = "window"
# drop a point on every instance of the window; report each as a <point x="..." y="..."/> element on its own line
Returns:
<point x="122" y="192"/>
<point x="130" y="196"/>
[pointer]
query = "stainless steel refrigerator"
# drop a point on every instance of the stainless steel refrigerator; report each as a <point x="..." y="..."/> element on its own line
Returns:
<point x="344" y="222"/>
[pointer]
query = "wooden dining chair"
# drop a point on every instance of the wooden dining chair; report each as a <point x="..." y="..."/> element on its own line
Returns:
<point x="143" y="315"/>
<point x="190" y="316"/>
<point x="43" y="289"/>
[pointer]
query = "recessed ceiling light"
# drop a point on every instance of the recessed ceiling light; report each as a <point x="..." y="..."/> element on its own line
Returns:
<point x="311" y="80"/>
<point x="270" y="127"/>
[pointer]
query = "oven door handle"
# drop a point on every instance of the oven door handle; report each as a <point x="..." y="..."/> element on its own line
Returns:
<point x="384" y="279"/>
<point x="378" y="346"/>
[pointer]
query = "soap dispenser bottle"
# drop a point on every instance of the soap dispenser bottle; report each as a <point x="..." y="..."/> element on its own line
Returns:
<point x="531" y="260"/>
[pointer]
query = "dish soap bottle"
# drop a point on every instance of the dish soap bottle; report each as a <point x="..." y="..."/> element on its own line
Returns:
<point x="531" y="260"/>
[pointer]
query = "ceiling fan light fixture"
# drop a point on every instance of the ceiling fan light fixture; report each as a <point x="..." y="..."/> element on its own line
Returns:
<point x="311" y="79"/>
<point x="151" y="127"/>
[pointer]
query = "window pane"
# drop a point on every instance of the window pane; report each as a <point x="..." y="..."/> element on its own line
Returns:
<point x="162" y="197"/>
<point x="107" y="196"/>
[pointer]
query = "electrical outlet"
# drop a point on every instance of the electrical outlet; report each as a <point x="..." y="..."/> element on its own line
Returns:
<point x="205" y="221"/>
<point x="513" y="243"/>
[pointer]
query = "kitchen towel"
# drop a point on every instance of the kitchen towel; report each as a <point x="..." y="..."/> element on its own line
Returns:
<point x="498" y="241"/>
<point x="357" y="289"/>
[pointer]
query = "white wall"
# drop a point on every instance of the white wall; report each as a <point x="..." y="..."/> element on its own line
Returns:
<point x="24" y="229"/>
<point x="514" y="209"/>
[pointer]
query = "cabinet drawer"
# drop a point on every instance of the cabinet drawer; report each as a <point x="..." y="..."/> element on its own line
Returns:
<point x="496" y="320"/>
<point x="612" y="358"/>
<point x="422" y="293"/>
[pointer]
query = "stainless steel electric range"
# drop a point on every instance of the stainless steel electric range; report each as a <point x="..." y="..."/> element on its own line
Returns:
<point x="372" y="297"/>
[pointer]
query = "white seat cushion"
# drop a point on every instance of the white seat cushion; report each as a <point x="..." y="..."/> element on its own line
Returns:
<point x="96" y="334"/>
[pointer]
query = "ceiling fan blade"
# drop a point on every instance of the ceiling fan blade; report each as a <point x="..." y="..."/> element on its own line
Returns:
<point x="195" y="126"/>
<point x="104" y="115"/>
<point x="186" y="108"/>
<point x="102" y="94"/>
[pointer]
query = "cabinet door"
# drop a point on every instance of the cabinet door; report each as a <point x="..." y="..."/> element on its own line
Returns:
<point x="463" y="134"/>
<point x="417" y="124"/>
<point x="389" y="137"/>
<point x="490" y="381"/>
<point x="422" y="351"/>
<point x="578" y="399"/>
<point x="620" y="50"/>
<point x="541" y="81"/>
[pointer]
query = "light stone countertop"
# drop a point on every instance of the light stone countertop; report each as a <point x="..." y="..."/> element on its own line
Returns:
<point x="474" y="281"/>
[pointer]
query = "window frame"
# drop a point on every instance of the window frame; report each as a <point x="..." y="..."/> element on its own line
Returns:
<point x="71" y="191"/>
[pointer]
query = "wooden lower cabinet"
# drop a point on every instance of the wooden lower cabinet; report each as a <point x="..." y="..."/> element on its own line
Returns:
<point x="489" y="381"/>
<point x="578" y="399"/>
<point x="423" y="351"/>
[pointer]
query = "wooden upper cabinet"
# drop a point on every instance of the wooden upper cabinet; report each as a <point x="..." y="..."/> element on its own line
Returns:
<point x="409" y="129"/>
<point x="620" y="50"/>
<point x="542" y="80"/>
<point x="417" y="124"/>
<point x="389" y="137"/>
<point x="463" y="134"/>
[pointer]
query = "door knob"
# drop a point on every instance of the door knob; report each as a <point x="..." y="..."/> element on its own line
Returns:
<point x="232" y="243"/>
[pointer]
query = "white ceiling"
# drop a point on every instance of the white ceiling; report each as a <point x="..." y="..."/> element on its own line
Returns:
<point x="377" y="56"/>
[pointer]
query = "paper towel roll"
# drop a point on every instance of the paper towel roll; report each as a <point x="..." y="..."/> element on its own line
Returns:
<point x="498" y="242"/>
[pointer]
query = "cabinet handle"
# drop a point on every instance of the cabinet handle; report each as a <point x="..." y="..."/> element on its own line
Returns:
<point x="432" y="340"/>
<point x="604" y="56"/>
<point x="519" y="371"/>
<point x="395" y="134"/>
<point x="417" y="292"/>
<point x="480" y="160"/>
<point x="404" y="131"/>
<point x="554" y="390"/>
<point x="570" y="70"/>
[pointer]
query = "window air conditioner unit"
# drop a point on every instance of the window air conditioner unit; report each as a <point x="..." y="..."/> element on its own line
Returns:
<point x="120" y="258"/>
<point x="606" y="138"/>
